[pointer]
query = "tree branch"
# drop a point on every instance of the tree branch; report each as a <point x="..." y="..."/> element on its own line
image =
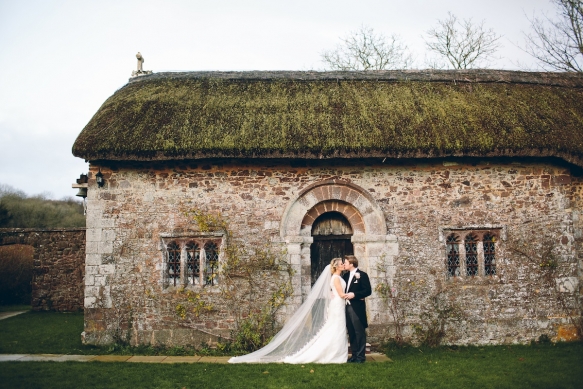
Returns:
<point x="462" y="43"/>
<point x="365" y="50"/>
<point x="558" y="44"/>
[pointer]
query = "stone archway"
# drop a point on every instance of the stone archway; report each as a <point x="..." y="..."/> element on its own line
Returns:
<point x="299" y="214"/>
<point x="370" y="239"/>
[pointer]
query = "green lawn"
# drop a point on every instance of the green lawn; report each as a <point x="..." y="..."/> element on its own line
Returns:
<point x="536" y="366"/>
<point x="489" y="367"/>
<point x="12" y="308"/>
<point x="43" y="333"/>
<point x="60" y="333"/>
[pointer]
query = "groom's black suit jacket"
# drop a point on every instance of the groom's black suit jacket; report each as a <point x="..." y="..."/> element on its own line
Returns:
<point x="361" y="289"/>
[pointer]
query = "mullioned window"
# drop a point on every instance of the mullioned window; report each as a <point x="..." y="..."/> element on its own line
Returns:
<point x="471" y="253"/>
<point x="191" y="261"/>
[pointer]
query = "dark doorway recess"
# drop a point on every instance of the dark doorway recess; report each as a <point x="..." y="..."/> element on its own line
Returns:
<point x="332" y="233"/>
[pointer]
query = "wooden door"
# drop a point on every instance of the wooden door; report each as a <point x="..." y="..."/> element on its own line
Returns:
<point x="332" y="233"/>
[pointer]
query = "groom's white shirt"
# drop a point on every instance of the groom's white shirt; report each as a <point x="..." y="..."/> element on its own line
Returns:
<point x="350" y="278"/>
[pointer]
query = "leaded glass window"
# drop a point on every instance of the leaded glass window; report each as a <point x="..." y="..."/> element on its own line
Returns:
<point x="471" y="245"/>
<point x="489" y="255"/>
<point x="192" y="263"/>
<point x="453" y="255"/>
<point x="173" y="265"/>
<point x="211" y="263"/>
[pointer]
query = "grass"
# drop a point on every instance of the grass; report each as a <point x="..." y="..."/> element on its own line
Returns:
<point x="43" y="332"/>
<point x="539" y="366"/>
<point x="12" y="308"/>
<point x="531" y="366"/>
<point x="60" y="333"/>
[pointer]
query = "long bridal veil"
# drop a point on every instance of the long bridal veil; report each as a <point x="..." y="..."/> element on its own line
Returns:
<point x="300" y="328"/>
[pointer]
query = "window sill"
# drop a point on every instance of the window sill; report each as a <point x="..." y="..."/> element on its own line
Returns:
<point x="190" y="287"/>
<point x="476" y="280"/>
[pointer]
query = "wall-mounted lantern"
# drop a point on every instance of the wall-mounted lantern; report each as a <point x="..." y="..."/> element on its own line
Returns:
<point x="99" y="179"/>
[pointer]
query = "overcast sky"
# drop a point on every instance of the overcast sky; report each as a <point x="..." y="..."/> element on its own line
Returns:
<point x="60" y="60"/>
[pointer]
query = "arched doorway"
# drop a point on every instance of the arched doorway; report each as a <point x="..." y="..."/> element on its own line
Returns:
<point x="331" y="232"/>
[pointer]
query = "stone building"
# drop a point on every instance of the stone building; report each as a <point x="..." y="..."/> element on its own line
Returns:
<point x="459" y="192"/>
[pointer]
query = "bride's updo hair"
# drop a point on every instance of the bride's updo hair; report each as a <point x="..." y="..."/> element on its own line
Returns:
<point x="335" y="263"/>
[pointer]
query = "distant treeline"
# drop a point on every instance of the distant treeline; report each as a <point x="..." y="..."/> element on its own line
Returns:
<point x="17" y="210"/>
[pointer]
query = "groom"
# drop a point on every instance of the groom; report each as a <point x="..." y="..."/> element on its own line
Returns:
<point x="357" y="289"/>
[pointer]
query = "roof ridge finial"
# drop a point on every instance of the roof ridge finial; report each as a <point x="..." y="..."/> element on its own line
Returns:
<point x="140" y="71"/>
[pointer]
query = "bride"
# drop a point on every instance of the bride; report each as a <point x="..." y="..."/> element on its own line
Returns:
<point x="316" y="332"/>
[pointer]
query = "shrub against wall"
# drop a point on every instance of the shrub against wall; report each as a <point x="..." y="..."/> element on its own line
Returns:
<point x="16" y="263"/>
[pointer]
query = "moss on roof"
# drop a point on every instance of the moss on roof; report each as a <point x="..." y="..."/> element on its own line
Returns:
<point x="323" y="115"/>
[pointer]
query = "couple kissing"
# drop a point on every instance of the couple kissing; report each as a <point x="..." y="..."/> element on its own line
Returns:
<point x="316" y="332"/>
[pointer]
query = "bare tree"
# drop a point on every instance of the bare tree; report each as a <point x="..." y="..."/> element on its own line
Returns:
<point x="558" y="44"/>
<point x="462" y="43"/>
<point x="366" y="50"/>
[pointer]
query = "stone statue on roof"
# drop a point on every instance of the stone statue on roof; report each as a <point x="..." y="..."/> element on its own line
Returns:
<point x="140" y="71"/>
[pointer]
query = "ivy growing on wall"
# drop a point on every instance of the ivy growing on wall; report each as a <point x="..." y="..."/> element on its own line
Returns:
<point x="437" y="313"/>
<point x="254" y="286"/>
<point x="543" y="258"/>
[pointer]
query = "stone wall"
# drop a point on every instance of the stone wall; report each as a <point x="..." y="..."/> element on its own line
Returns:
<point x="403" y="212"/>
<point x="570" y="331"/>
<point x="59" y="266"/>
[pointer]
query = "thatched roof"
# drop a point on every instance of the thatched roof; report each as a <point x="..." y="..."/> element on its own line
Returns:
<point x="172" y="116"/>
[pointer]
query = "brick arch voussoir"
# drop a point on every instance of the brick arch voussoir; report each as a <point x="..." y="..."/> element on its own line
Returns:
<point x="354" y="202"/>
<point x="352" y="215"/>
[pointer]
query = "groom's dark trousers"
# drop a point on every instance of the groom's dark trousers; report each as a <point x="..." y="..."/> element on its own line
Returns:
<point x="357" y="335"/>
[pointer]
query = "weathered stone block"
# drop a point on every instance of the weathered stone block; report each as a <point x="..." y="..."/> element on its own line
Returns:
<point x="90" y="302"/>
<point x="92" y="248"/>
<point x="567" y="333"/>
<point x="93" y="259"/>
<point x="105" y="247"/>
<point x="91" y="291"/>
<point x="108" y="235"/>
<point x="94" y="235"/>
<point x="106" y="269"/>
<point x="567" y="284"/>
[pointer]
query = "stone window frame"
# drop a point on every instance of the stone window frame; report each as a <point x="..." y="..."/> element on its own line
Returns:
<point x="497" y="231"/>
<point x="183" y="241"/>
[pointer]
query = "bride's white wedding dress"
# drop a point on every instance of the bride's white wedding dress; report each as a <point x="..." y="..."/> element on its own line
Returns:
<point x="315" y="333"/>
<point x="330" y="344"/>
